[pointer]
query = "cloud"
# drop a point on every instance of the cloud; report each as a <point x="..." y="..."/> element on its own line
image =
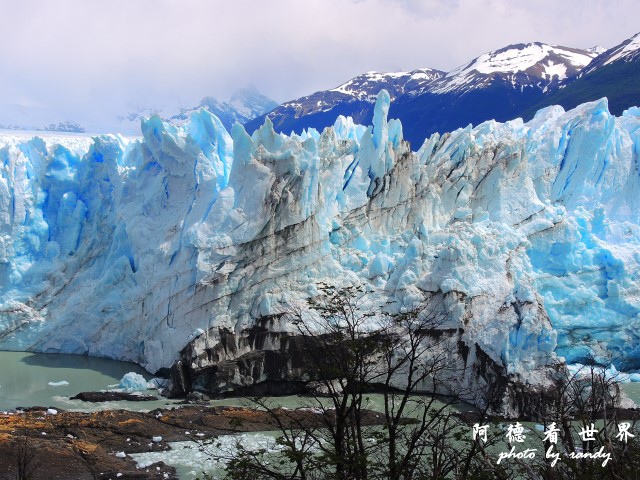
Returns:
<point x="109" y="54"/>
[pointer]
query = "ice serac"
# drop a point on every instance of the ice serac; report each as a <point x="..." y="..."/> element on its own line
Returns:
<point x="187" y="245"/>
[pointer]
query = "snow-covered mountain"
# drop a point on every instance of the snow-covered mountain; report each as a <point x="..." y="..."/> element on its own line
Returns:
<point x="507" y="83"/>
<point x="244" y="105"/>
<point x="354" y="98"/>
<point x="627" y="51"/>
<point x="494" y="85"/>
<point x="614" y="73"/>
<point x="368" y="85"/>
<point x="531" y="65"/>
<point x="184" y="247"/>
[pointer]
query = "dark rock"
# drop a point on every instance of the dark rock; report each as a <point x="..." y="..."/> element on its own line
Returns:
<point x="266" y="361"/>
<point x="198" y="397"/>
<point x="180" y="375"/>
<point x="36" y="408"/>
<point x="112" y="397"/>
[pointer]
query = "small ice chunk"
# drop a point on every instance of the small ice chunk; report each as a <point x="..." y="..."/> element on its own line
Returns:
<point x="156" y="439"/>
<point x="133" y="381"/>
<point x="58" y="384"/>
<point x="52" y="411"/>
<point x="121" y="455"/>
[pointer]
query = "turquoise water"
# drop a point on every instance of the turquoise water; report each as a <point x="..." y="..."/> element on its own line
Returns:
<point x="633" y="390"/>
<point x="25" y="377"/>
<point x="190" y="460"/>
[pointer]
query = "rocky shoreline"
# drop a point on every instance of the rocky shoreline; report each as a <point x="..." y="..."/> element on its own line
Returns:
<point x="57" y="444"/>
<point x="78" y="445"/>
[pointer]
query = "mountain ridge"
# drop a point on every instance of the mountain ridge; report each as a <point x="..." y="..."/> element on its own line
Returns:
<point x="245" y="104"/>
<point x="513" y="81"/>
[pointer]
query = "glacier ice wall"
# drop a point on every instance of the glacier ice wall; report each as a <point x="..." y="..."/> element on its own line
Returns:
<point x="132" y="248"/>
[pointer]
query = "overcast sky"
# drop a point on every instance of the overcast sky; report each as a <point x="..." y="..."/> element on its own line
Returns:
<point x="108" y="54"/>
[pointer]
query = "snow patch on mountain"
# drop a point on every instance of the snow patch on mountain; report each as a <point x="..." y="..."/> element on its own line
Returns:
<point x="532" y="61"/>
<point x="367" y="86"/>
<point x="519" y="58"/>
<point x="598" y="49"/>
<point x="552" y="70"/>
<point x="625" y="50"/>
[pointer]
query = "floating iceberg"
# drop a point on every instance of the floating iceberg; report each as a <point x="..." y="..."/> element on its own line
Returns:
<point x="134" y="382"/>
<point x="62" y="383"/>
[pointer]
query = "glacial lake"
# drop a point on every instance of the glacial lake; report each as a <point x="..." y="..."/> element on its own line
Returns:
<point x="25" y="381"/>
<point x="25" y="378"/>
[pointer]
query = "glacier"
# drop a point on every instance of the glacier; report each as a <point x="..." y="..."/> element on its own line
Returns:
<point x="155" y="250"/>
